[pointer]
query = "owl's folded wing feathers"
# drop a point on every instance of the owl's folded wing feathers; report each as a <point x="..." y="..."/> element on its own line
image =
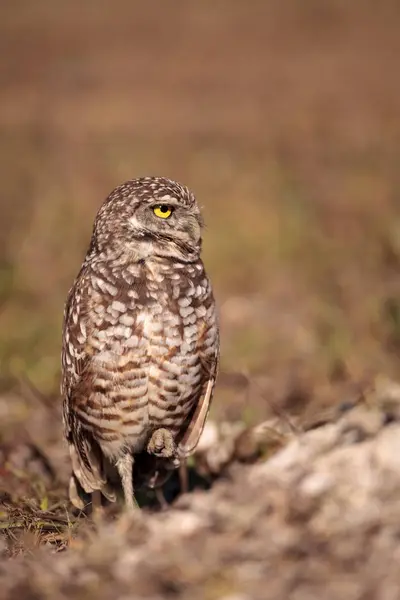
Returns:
<point x="209" y="356"/>
<point x="86" y="456"/>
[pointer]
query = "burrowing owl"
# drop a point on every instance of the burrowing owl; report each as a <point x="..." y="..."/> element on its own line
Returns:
<point x="140" y="339"/>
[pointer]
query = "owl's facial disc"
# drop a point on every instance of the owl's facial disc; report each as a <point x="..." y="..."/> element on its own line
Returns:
<point x="172" y="229"/>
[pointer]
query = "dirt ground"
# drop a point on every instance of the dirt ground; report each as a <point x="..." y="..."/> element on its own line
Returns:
<point x="284" y="119"/>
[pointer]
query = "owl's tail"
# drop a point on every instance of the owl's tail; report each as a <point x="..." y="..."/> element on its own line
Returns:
<point x="81" y="499"/>
<point x="88" y="474"/>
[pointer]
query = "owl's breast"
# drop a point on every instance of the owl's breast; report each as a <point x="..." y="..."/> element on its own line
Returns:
<point x="174" y="371"/>
<point x="145" y="369"/>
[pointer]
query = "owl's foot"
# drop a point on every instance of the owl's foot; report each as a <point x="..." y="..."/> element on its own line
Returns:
<point x="162" y="444"/>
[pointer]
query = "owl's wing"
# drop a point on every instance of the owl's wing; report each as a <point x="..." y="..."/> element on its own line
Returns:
<point x="209" y="357"/>
<point x="87" y="463"/>
<point x="86" y="456"/>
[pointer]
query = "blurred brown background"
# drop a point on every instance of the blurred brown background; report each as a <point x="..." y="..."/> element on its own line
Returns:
<point x="283" y="117"/>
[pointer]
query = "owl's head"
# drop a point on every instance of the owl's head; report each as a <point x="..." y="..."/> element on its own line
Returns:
<point x="150" y="216"/>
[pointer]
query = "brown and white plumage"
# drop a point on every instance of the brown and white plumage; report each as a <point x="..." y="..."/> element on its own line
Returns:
<point x="140" y="339"/>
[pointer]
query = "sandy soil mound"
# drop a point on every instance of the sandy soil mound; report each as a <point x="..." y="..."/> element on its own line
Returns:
<point x="320" y="518"/>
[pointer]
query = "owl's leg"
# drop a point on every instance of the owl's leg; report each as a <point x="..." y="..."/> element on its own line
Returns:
<point x="184" y="477"/>
<point x="125" y="466"/>
<point x="96" y="505"/>
<point x="161" y="498"/>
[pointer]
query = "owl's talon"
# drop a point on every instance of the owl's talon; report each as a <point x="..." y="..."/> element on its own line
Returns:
<point x="162" y="444"/>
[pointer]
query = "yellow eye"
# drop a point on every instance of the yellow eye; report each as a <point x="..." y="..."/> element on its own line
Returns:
<point x="163" y="211"/>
